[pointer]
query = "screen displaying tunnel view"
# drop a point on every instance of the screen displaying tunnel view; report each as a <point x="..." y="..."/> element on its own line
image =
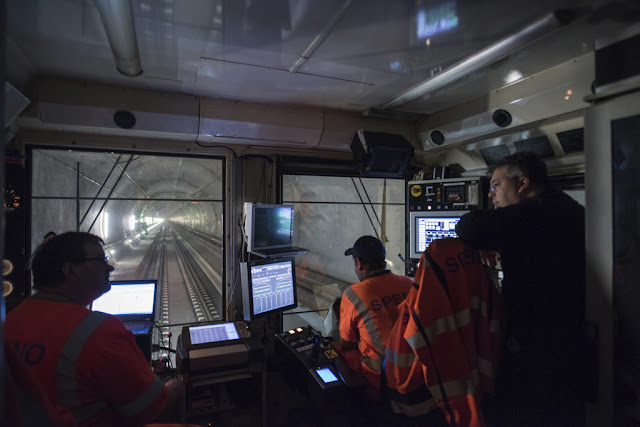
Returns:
<point x="159" y="216"/>
<point x="330" y="213"/>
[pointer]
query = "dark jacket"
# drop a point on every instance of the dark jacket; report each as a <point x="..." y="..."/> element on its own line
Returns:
<point x="541" y="242"/>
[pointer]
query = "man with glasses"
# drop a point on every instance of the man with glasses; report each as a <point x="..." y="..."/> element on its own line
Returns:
<point x="538" y="234"/>
<point x="87" y="362"/>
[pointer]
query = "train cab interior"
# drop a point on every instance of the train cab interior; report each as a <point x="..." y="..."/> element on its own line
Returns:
<point x="169" y="127"/>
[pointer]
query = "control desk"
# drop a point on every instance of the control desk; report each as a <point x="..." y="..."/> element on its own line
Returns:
<point x="313" y="357"/>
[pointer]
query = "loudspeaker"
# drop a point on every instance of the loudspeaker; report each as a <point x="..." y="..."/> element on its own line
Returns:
<point x="381" y="155"/>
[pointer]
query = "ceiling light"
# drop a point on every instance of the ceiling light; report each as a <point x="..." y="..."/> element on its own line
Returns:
<point x="513" y="76"/>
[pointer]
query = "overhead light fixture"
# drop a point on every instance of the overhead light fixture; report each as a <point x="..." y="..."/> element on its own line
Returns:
<point x="117" y="18"/>
<point x="485" y="57"/>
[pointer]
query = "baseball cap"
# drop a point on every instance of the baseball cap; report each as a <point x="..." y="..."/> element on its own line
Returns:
<point x="368" y="249"/>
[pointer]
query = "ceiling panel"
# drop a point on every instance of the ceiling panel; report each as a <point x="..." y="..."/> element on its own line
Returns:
<point x="244" y="49"/>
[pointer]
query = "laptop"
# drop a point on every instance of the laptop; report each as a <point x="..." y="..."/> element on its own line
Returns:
<point x="131" y="301"/>
<point x="279" y="252"/>
<point x="269" y="231"/>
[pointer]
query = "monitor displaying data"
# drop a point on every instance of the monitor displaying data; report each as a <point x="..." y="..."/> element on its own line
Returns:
<point x="212" y="333"/>
<point x="272" y="286"/>
<point x="130" y="297"/>
<point x="429" y="226"/>
<point x="430" y="229"/>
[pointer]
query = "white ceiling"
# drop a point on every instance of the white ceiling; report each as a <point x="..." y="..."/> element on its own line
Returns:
<point x="244" y="49"/>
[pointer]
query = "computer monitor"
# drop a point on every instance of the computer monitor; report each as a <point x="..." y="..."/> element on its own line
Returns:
<point x="427" y="226"/>
<point x="268" y="226"/>
<point x="268" y="286"/>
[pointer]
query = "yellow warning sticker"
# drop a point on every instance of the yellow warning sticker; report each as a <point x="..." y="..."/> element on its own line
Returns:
<point x="416" y="190"/>
<point x="330" y="354"/>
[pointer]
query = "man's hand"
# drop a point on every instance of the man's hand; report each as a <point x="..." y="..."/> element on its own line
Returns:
<point x="489" y="258"/>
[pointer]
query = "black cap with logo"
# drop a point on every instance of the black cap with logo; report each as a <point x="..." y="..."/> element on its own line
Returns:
<point x="369" y="249"/>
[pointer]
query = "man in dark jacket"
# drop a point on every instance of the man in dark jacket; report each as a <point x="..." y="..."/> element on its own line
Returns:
<point x="538" y="234"/>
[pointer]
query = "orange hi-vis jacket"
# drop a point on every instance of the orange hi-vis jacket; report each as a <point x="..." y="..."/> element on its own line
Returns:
<point x="86" y="362"/>
<point x="444" y="348"/>
<point x="368" y="311"/>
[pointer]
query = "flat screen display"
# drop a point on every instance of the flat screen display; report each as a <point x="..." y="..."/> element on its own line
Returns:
<point x="272" y="285"/>
<point x="272" y="226"/>
<point x="429" y="229"/>
<point x="127" y="298"/>
<point x="213" y="333"/>
<point x="326" y="375"/>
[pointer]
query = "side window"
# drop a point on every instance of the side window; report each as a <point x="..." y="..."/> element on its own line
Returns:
<point x="330" y="214"/>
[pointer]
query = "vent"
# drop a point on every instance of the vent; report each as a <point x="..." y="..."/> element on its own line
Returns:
<point x="492" y="155"/>
<point x="539" y="145"/>
<point x="572" y="141"/>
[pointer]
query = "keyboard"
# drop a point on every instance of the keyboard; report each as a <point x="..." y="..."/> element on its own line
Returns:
<point x="142" y="326"/>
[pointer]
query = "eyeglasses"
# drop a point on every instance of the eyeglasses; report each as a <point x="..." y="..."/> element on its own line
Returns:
<point x="104" y="259"/>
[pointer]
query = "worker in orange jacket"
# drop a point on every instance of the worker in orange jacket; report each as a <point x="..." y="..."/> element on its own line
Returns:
<point x="369" y="309"/>
<point x="443" y="350"/>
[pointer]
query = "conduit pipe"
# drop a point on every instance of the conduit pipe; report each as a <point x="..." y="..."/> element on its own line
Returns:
<point x="117" y="18"/>
<point x="485" y="57"/>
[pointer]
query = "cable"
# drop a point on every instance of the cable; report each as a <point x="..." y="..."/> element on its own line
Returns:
<point x="365" y="207"/>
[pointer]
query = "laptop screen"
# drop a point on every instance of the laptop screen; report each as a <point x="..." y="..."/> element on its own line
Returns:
<point x="128" y="298"/>
<point x="272" y="226"/>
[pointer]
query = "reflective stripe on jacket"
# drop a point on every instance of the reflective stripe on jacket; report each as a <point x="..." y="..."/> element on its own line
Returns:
<point x="69" y="388"/>
<point x="443" y="350"/>
<point x="368" y="311"/>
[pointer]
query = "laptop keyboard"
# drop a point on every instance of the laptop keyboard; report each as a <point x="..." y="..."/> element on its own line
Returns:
<point x="137" y="326"/>
<point x="280" y="250"/>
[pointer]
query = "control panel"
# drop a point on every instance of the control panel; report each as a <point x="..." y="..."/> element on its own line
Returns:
<point x="446" y="194"/>
<point x="434" y="207"/>
<point x="316" y="355"/>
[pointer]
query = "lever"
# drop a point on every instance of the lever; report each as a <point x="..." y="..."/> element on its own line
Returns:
<point x="315" y="350"/>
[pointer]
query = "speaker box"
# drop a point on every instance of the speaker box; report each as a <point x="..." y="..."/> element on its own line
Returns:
<point x="382" y="155"/>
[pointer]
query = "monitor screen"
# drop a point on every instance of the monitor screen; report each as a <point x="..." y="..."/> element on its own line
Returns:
<point x="268" y="286"/>
<point x="130" y="297"/>
<point x="269" y="226"/>
<point x="213" y="333"/>
<point x="326" y="375"/>
<point x="429" y="226"/>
